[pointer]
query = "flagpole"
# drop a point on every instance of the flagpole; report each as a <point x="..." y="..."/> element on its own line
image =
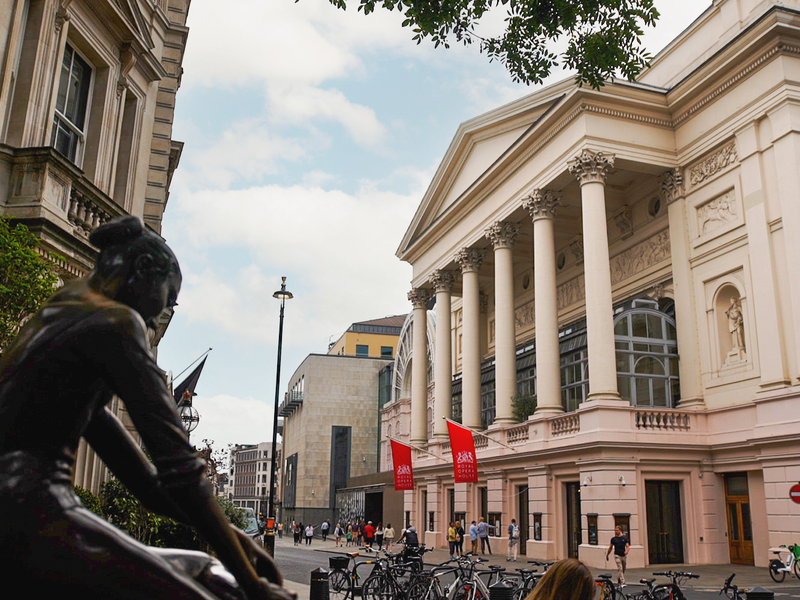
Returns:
<point x="479" y="433"/>
<point x="416" y="448"/>
<point x="174" y="377"/>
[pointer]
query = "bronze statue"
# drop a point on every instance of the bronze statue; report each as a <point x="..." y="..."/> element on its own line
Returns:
<point x="88" y="342"/>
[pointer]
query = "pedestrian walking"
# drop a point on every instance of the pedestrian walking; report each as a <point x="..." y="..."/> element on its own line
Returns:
<point x="388" y="536"/>
<point x="621" y="546"/>
<point x="309" y="534"/>
<point x="460" y="538"/>
<point x="379" y="533"/>
<point x="483" y="533"/>
<point x="324" y="530"/>
<point x="369" y="535"/>
<point x="451" y="539"/>
<point x="338" y="533"/>
<point x="513" y="540"/>
<point x="298" y="532"/>
<point x="280" y="530"/>
<point x="349" y="534"/>
<point x="473" y="537"/>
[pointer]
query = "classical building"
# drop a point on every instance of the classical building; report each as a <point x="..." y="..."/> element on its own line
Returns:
<point x="377" y="337"/>
<point x="617" y="304"/>
<point x="87" y="95"/>
<point x="249" y="475"/>
<point x="330" y="431"/>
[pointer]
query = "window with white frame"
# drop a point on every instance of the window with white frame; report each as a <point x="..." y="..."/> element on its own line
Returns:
<point x="72" y="105"/>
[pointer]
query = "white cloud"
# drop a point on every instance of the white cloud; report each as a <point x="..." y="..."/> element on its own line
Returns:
<point x="231" y="420"/>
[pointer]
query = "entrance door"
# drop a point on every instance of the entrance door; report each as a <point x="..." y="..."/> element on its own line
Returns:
<point x="740" y="528"/>
<point x="664" y="526"/>
<point x="574" y="535"/>
<point x="524" y="522"/>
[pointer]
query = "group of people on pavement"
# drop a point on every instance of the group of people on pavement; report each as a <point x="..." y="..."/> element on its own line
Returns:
<point x="303" y="533"/>
<point x="364" y="533"/>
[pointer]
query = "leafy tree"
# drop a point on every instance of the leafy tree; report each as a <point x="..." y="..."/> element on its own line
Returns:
<point x="26" y="279"/>
<point x="523" y="406"/>
<point x="603" y="36"/>
<point x="89" y="500"/>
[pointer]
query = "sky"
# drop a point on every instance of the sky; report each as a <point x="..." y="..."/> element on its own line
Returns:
<point x="311" y="135"/>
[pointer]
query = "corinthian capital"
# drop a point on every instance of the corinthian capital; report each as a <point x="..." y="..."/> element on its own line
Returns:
<point x="419" y="297"/>
<point x="503" y="234"/>
<point x="591" y="166"/>
<point x="542" y="204"/>
<point x="671" y="184"/>
<point x="442" y="281"/>
<point x="470" y="259"/>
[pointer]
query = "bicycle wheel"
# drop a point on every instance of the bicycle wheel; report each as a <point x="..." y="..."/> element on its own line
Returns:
<point x="377" y="587"/>
<point x="339" y="585"/>
<point x="774" y="570"/>
<point x="797" y="568"/>
<point x="423" y="589"/>
<point x="521" y="593"/>
<point x="469" y="591"/>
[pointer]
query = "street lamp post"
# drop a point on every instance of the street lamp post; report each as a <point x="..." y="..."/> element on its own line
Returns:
<point x="269" y="539"/>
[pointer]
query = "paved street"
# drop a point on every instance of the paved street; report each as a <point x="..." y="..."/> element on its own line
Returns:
<point x="296" y="564"/>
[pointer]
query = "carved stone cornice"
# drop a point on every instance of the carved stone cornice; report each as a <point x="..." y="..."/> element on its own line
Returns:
<point x="542" y="204"/>
<point x="470" y="259"/>
<point x="671" y="184"/>
<point x="483" y="303"/>
<point x="502" y="234"/>
<point x="442" y="280"/>
<point x="591" y="166"/>
<point x="623" y="219"/>
<point x="576" y="246"/>
<point x="419" y="297"/>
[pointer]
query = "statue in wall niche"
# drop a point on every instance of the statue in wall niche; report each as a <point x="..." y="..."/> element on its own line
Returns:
<point x="736" y="328"/>
<point x="87" y="343"/>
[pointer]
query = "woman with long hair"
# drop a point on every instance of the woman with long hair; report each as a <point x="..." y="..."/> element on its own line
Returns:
<point x="568" y="579"/>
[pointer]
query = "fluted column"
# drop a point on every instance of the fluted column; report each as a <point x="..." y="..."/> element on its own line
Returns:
<point x="470" y="260"/>
<point x="673" y="192"/>
<point x="591" y="169"/>
<point x="442" y="282"/>
<point x="419" y="297"/>
<point x="503" y="235"/>
<point x="542" y="205"/>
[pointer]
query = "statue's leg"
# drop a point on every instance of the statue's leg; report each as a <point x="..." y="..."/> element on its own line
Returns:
<point x="81" y="555"/>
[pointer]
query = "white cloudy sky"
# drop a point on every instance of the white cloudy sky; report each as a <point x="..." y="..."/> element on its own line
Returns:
<point x="311" y="135"/>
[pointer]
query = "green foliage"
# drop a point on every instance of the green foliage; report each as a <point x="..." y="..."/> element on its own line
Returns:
<point x="523" y="406"/>
<point x="26" y="279"/>
<point x="89" y="500"/>
<point x="603" y="36"/>
<point x="236" y="516"/>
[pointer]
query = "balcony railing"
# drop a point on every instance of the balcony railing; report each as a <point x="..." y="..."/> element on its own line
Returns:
<point x="566" y="425"/>
<point x="662" y="420"/>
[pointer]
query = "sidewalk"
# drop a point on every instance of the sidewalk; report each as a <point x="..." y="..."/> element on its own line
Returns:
<point x="711" y="576"/>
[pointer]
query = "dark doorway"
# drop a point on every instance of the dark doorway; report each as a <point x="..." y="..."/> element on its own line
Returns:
<point x="524" y="521"/>
<point x="574" y="534"/>
<point x="740" y="527"/>
<point x="664" y="523"/>
<point x="373" y="507"/>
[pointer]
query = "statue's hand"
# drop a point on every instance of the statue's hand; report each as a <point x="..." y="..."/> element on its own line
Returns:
<point x="258" y="557"/>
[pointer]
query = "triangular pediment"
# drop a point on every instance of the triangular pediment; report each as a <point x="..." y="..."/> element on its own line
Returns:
<point x="478" y="147"/>
<point x="132" y="13"/>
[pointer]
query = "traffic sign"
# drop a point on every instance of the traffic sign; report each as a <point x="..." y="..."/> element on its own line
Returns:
<point x="794" y="493"/>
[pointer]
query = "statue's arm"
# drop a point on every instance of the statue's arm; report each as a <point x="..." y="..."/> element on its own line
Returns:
<point x="119" y="451"/>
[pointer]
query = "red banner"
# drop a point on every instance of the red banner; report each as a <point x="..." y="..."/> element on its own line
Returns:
<point x="465" y="464"/>
<point x="403" y="472"/>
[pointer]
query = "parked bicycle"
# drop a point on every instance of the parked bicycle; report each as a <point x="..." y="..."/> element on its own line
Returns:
<point x="786" y="562"/>
<point x="672" y="591"/>
<point x="731" y="591"/>
<point x="344" y="582"/>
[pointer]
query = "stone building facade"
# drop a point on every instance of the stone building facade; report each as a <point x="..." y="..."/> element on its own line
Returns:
<point x="620" y="262"/>
<point x="87" y="98"/>
<point x="249" y="475"/>
<point x="330" y="432"/>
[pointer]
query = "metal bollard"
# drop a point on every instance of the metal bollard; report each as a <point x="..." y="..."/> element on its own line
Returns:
<point x="319" y="585"/>
<point x="759" y="593"/>
<point x="501" y="590"/>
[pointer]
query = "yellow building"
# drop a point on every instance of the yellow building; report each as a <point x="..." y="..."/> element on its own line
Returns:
<point x="376" y="338"/>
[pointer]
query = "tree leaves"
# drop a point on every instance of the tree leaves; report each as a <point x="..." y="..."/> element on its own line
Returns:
<point x="26" y="279"/>
<point x="604" y="36"/>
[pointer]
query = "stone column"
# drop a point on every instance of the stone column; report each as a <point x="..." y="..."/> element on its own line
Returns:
<point x="442" y="282"/>
<point x="542" y="205"/>
<point x="591" y="169"/>
<point x="419" y="297"/>
<point x="470" y="260"/>
<point x="503" y="235"/>
<point x="674" y="194"/>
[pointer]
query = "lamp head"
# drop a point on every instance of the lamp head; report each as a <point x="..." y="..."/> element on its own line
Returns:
<point x="283" y="293"/>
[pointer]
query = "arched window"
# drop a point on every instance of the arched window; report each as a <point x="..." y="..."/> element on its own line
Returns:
<point x="647" y="355"/>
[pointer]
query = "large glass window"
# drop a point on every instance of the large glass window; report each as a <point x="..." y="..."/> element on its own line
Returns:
<point x="72" y="103"/>
<point x="574" y="379"/>
<point x="362" y="350"/>
<point x="647" y="356"/>
<point x="487" y="404"/>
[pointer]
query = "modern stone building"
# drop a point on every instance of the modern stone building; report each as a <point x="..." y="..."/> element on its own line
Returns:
<point x="377" y="337"/>
<point x="249" y="475"/>
<point x="617" y="264"/>
<point x="330" y="432"/>
<point x="87" y="96"/>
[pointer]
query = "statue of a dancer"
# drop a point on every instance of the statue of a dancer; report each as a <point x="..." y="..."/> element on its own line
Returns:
<point x="88" y="342"/>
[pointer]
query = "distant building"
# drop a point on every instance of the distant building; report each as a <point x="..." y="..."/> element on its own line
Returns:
<point x="376" y="338"/>
<point x="249" y="475"/>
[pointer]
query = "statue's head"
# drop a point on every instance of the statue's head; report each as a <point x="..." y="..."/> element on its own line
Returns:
<point x="135" y="267"/>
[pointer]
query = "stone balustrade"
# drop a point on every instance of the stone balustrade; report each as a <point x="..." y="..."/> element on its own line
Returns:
<point x="661" y="420"/>
<point x="565" y="425"/>
<point x="85" y="212"/>
<point x="517" y="435"/>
